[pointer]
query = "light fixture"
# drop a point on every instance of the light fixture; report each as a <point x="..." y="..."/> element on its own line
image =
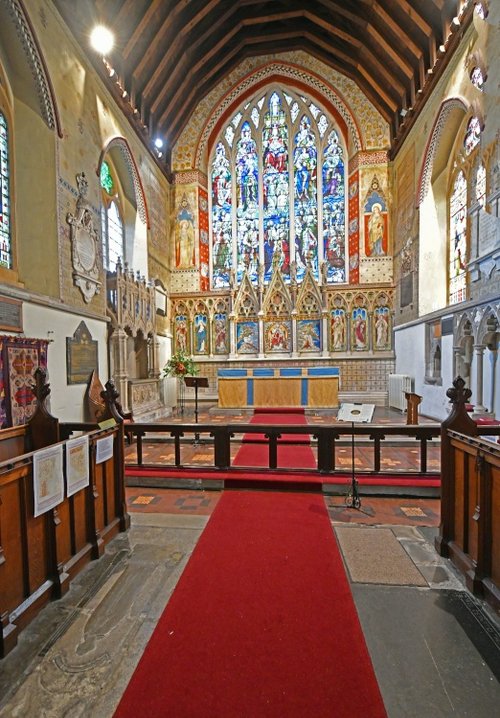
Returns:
<point x="456" y="21"/>
<point x="442" y="49"/>
<point x="102" y="40"/>
<point x="158" y="143"/>
<point x="403" y="112"/>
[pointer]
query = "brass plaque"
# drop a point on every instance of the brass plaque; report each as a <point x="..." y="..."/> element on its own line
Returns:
<point x="81" y="356"/>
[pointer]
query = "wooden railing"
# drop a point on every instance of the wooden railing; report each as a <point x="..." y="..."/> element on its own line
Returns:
<point x="470" y="499"/>
<point x="326" y="439"/>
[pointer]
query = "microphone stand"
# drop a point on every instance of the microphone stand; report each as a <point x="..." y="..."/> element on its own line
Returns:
<point x="353" y="499"/>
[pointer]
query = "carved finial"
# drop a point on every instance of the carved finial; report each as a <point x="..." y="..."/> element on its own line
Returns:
<point x="458" y="393"/>
<point x="41" y="389"/>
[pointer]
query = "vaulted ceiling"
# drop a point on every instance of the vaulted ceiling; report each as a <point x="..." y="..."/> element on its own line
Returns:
<point x="169" y="54"/>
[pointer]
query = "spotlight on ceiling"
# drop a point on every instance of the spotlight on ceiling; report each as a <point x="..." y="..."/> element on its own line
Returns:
<point x="158" y="143"/>
<point x="102" y="40"/>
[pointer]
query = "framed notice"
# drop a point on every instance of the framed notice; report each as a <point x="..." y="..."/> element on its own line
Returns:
<point x="104" y="449"/>
<point x="48" y="479"/>
<point x="77" y="464"/>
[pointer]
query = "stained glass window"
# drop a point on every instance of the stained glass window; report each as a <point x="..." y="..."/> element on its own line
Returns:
<point x="476" y="77"/>
<point x="278" y="193"/>
<point x="275" y="181"/>
<point x="334" y="210"/>
<point x="5" y="239"/>
<point x="112" y="236"/>
<point x="479" y="9"/>
<point x="222" y="222"/>
<point x="305" y="195"/>
<point x="481" y="185"/>
<point x="107" y="182"/>
<point x="458" y="240"/>
<point x="472" y="134"/>
<point x="247" y="204"/>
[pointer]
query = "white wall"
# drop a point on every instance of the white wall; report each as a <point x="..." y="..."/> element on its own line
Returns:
<point x="410" y="359"/>
<point x="66" y="400"/>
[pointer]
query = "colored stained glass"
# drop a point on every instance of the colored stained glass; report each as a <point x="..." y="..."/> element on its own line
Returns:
<point x="107" y="182"/>
<point x="222" y="221"/>
<point x="273" y="156"/>
<point x="229" y="135"/>
<point x="305" y="199"/>
<point x="247" y="204"/>
<point x="5" y="240"/>
<point x="333" y="182"/>
<point x="472" y="135"/>
<point x="458" y="240"/>
<point x="476" y="77"/>
<point x="481" y="185"/>
<point x="276" y="214"/>
<point x="322" y="125"/>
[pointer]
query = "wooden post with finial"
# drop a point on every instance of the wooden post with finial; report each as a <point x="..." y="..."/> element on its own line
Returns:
<point x="458" y="420"/>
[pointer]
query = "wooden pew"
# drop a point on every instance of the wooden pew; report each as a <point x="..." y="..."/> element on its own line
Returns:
<point x="40" y="555"/>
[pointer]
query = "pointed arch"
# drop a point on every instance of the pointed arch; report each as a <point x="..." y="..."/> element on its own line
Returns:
<point x="136" y="188"/>
<point x="448" y="109"/>
<point x="43" y="87"/>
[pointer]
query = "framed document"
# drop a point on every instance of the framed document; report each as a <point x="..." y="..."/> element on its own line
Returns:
<point x="48" y="479"/>
<point x="77" y="464"/>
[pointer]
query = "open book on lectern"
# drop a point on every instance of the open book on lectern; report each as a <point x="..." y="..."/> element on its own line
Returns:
<point x="356" y="412"/>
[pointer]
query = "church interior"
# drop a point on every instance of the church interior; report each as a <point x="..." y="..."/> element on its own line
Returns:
<point x="238" y="213"/>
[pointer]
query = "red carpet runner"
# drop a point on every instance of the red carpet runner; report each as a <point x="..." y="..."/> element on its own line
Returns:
<point x="261" y="625"/>
<point x="297" y="455"/>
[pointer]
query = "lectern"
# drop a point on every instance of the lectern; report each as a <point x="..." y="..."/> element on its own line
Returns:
<point x="196" y="382"/>
<point x="412" y="402"/>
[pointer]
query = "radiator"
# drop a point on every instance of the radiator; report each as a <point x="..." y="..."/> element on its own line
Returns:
<point x="398" y="385"/>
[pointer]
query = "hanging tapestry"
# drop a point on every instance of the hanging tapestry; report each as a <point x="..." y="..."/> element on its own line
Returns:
<point x="19" y="359"/>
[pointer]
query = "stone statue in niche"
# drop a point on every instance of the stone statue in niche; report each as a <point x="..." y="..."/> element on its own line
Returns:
<point x="84" y="244"/>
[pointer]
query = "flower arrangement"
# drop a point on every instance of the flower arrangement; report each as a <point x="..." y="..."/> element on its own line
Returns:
<point x="180" y="365"/>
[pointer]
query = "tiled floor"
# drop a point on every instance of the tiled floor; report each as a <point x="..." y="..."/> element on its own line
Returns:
<point x="435" y="649"/>
<point x="395" y="455"/>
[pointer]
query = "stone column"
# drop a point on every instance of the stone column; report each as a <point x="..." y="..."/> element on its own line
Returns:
<point x="120" y="373"/>
<point x="324" y="333"/>
<point x="478" y="405"/>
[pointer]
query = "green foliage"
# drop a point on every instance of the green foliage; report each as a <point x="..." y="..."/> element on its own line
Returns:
<point x="180" y="365"/>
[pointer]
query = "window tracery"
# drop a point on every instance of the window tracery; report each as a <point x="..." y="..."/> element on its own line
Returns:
<point x="113" y="234"/>
<point x="278" y="193"/>
<point x="458" y="240"/>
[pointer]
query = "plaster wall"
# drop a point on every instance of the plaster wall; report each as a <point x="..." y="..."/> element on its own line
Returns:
<point x="409" y="345"/>
<point x="66" y="400"/>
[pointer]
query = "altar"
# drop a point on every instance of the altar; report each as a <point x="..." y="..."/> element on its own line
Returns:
<point x="307" y="387"/>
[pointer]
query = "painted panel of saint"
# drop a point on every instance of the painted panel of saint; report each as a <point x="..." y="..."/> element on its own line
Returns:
<point x="221" y="219"/>
<point x="305" y="199"/>
<point x="220" y="334"/>
<point x="338" y="336"/>
<point x="247" y="337"/>
<point x="333" y="183"/>
<point x="181" y="334"/>
<point x="359" y="329"/>
<point x="275" y="189"/>
<point x="375" y="226"/>
<point x="200" y="334"/>
<point x="382" y="338"/>
<point x="277" y="336"/>
<point x="184" y="237"/>
<point x="309" y="335"/>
